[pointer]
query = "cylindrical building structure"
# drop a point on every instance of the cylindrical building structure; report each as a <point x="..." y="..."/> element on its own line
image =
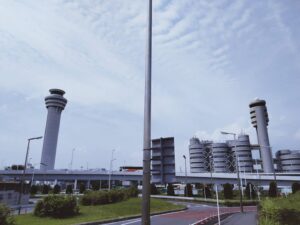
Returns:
<point x="260" y="120"/>
<point x="288" y="161"/>
<point x="220" y="153"/>
<point x="243" y="153"/>
<point x="198" y="156"/>
<point x="55" y="103"/>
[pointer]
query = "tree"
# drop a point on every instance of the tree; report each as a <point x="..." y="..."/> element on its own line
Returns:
<point x="45" y="189"/>
<point x="295" y="187"/>
<point x="56" y="189"/>
<point x="188" y="190"/>
<point x="249" y="191"/>
<point x="273" y="189"/>
<point x="95" y="185"/>
<point x="69" y="189"/>
<point x="228" y="191"/>
<point x="170" y="190"/>
<point x="207" y="191"/>
<point x="33" y="189"/>
<point x="81" y="188"/>
<point x="154" y="190"/>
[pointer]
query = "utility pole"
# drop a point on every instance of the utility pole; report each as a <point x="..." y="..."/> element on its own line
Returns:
<point x="147" y="124"/>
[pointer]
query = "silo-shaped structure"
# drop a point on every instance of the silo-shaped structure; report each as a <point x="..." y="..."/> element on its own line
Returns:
<point x="288" y="161"/>
<point x="220" y="153"/>
<point x="242" y="151"/>
<point x="198" y="156"/>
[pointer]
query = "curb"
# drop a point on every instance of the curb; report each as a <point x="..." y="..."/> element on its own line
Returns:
<point x="129" y="217"/>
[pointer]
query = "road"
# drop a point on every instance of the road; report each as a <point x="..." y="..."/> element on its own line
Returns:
<point x="193" y="215"/>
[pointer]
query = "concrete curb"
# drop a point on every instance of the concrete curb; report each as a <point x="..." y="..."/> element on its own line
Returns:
<point x="129" y="217"/>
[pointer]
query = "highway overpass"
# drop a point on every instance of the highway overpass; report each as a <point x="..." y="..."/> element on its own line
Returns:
<point x="283" y="179"/>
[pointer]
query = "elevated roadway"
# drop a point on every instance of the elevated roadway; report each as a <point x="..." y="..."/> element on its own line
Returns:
<point x="283" y="179"/>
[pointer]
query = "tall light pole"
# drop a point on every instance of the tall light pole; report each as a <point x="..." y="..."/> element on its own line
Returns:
<point x="72" y="157"/>
<point x="110" y="168"/>
<point x="237" y="168"/>
<point x="147" y="124"/>
<point x="185" y="169"/>
<point x="24" y="171"/>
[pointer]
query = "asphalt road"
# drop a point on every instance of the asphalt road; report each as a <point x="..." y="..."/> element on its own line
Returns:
<point x="193" y="215"/>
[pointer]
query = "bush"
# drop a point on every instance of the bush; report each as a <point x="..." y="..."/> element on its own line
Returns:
<point x="228" y="191"/>
<point x="81" y="188"/>
<point x="45" y="189"/>
<point x="69" y="189"/>
<point x="154" y="190"/>
<point x="207" y="192"/>
<point x="283" y="211"/>
<point x="56" y="189"/>
<point x="273" y="189"/>
<point x="188" y="190"/>
<point x="295" y="187"/>
<point x="170" y="190"/>
<point x="33" y="189"/>
<point x="5" y="216"/>
<point x="57" y="206"/>
<point x="249" y="191"/>
<point x="106" y="197"/>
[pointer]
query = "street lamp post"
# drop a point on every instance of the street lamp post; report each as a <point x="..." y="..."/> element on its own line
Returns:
<point x="24" y="171"/>
<point x="110" y="168"/>
<point x="147" y="124"/>
<point x="185" y="173"/>
<point x="237" y="168"/>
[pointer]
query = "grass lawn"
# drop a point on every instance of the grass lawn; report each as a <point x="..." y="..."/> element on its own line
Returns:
<point x="102" y="212"/>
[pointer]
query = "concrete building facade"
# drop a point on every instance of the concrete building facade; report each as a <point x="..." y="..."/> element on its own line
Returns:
<point x="55" y="104"/>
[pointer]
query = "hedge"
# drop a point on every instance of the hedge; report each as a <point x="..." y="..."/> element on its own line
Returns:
<point x="106" y="197"/>
<point x="57" y="206"/>
<point x="5" y="216"/>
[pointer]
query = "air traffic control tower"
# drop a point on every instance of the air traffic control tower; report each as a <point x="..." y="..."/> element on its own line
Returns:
<point x="55" y="103"/>
<point x="260" y="120"/>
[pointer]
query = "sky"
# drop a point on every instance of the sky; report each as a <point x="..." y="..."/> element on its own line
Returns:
<point x="210" y="60"/>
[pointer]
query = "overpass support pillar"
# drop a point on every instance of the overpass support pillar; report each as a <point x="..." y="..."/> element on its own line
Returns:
<point x="88" y="184"/>
<point x="75" y="185"/>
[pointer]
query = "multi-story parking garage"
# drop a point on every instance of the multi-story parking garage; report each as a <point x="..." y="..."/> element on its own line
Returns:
<point x="207" y="156"/>
<point x="288" y="161"/>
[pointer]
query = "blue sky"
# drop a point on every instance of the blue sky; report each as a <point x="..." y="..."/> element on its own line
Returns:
<point x="210" y="59"/>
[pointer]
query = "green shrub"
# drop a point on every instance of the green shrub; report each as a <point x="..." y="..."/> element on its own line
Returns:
<point x="284" y="211"/>
<point x="295" y="187"/>
<point x="57" y="207"/>
<point x="249" y="191"/>
<point x="154" y="190"/>
<point x="5" y="216"/>
<point x="170" y="190"/>
<point x="56" y="189"/>
<point x="228" y="191"/>
<point x="81" y="188"/>
<point x="69" y="189"/>
<point x="45" y="189"/>
<point x="188" y="190"/>
<point x="106" y="197"/>
<point x="207" y="192"/>
<point x="33" y="189"/>
<point x="273" y="189"/>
